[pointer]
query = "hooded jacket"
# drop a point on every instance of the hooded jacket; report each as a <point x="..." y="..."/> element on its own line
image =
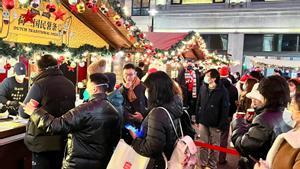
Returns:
<point x="93" y="131"/>
<point x="159" y="135"/>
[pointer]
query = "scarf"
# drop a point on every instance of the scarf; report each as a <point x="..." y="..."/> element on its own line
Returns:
<point x="191" y="81"/>
<point x="131" y="95"/>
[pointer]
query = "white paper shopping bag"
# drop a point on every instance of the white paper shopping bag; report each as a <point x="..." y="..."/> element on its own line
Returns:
<point x="125" y="157"/>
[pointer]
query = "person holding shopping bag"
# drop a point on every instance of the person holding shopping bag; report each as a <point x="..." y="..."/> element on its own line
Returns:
<point x="157" y="136"/>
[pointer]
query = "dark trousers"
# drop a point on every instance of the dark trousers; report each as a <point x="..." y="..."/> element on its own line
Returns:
<point x="47" y="160"/>
<point x="224" y="142"/>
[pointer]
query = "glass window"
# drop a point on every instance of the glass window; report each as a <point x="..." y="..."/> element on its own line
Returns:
<point x="176" y="1"/>
<point x="145" y="3"/>
<point x="136" y="3"/>
<point x="270" y="42"/>
<point x="289" y="42"/>
<point x="253" y="43"/>
<point x="140" y="7"/>
<point x="202" y="1"/>
<point x="216" y="41"/>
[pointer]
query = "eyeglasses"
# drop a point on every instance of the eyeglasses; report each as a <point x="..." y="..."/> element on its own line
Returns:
<point x="129" y="74"/>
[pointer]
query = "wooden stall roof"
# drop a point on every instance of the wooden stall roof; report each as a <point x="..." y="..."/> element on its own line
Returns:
<point x="104" y="27"/>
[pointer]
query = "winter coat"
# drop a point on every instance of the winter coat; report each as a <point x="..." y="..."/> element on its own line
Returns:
<point x="139" y="105"/>
<point x="256" y="139"/>
<point x="285" y="151"/>
<point x="116" y="99"/>
<point x="159" y="135"/>
<point x="11" y="90"/>
<point x="93" y="131"/>
<point x="56" y="94"/>
<point x="213" y="107"/>
<point x="233" y="96"/>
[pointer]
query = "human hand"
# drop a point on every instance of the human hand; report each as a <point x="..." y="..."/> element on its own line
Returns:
<point x="261" y="165"/>
<point x="12" y="103"/>
<point x="137" y="116"/>
<point x="132" y="133"/>
<point x="128" y="85"/>
<point x="28" y="108"/>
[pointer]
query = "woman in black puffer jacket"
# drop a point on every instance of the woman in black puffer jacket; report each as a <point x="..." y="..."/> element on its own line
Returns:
<point x="159" y="136"/>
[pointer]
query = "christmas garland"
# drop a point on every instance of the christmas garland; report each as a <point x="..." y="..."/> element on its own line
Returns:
<point x="27" y="50"/>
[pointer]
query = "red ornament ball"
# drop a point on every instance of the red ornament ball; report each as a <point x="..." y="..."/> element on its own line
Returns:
<point x="7" y="66"/>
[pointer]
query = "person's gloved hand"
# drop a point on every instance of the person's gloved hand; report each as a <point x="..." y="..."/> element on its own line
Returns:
<point x="12" y="103"/>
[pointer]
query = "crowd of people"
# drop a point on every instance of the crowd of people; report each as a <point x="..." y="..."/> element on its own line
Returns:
<point x="259" y="115"/>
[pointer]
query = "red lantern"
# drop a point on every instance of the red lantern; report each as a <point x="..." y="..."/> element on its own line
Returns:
<point x="7" y="66"/>
<point x="8" y="4"/>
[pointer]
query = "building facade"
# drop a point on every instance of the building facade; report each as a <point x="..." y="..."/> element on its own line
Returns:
<point x="242" y="28"/>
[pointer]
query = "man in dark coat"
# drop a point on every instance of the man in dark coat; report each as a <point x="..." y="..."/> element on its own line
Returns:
<point x="212" y="115"/>
<point x="56" y="94"/>
<point x="133" y="92"/>
<point x="93" y="128"/>
<point x="233" y="98"/>
<point x="14" y="90"/>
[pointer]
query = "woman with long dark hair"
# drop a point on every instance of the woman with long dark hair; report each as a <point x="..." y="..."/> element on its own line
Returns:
<point x="158" y="134"/>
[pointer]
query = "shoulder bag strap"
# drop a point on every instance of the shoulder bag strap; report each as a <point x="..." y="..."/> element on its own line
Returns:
<point x="173" y="122"/>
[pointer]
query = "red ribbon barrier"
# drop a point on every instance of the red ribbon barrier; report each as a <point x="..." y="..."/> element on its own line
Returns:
<point x="218" y="148"/>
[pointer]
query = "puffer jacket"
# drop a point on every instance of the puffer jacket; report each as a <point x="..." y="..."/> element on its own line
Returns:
<point x="256" y="139"/>
<point x="94" y="131"/>
<point x="159" y="135"/>
<point x="56" y="94"/>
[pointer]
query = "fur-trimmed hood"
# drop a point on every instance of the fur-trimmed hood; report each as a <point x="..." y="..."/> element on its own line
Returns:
<point x="292" y="137"/>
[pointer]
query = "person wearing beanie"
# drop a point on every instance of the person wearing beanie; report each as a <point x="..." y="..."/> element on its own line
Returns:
<point x="14" y="90"/>
<point x="56" y="94"/>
